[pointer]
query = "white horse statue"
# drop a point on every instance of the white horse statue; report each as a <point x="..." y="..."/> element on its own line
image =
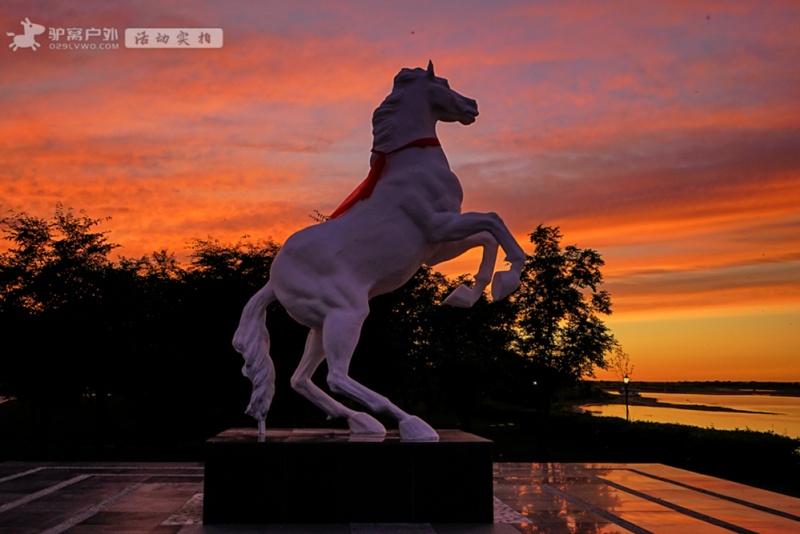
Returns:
<point x="406" y="213"/>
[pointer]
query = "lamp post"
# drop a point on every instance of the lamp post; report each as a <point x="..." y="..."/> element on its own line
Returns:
<point x="625" y="379"/>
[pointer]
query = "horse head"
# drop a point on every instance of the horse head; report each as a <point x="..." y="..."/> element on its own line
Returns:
<point x="30" y="28"/>
<point x="452" y="106"/>
<point x="447" y="104"/>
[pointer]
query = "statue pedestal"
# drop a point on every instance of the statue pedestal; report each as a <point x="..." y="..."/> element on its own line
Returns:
<point x="329" y="476"/>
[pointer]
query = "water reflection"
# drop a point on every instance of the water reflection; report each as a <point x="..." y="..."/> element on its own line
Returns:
<point x="546" y="494"/>
<point x="782" y="414"/>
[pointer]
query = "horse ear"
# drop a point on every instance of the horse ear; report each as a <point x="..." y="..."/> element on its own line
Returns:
<point x="430" y="69"/>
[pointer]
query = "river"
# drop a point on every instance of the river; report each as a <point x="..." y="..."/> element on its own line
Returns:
<point x="780" y="415"/>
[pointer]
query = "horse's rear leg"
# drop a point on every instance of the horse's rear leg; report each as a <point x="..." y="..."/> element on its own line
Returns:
<point x="359" y="422"/>
<point x="339" y="337"/>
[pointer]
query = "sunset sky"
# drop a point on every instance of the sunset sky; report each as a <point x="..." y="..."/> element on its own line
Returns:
<point x="664" y="135"/>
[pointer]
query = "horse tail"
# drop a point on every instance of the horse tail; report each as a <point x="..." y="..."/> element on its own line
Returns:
<point x="252" y="341"/>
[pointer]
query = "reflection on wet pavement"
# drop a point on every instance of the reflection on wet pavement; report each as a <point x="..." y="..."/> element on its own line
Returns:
<point x="589" y="498"/>
<point x="528" y="497"/>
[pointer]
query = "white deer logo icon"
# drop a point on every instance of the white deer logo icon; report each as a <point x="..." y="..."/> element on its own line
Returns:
<point x="27" y="39"/>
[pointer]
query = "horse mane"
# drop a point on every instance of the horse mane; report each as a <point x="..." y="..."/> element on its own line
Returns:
<point x="384" y="123"/>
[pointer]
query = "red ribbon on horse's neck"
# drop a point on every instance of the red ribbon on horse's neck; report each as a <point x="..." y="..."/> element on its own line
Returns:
<point x="364" y="190"/>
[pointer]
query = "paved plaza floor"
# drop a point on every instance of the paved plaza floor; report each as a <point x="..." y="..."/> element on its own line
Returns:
<point x="554" y="497"/>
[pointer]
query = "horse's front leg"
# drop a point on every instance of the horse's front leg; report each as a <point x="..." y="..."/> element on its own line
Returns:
<point x="456" y="227"/>
<point x="464" y="296"/>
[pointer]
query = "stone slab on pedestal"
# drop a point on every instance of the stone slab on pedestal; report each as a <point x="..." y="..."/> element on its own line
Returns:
<point x="330" y="476"/>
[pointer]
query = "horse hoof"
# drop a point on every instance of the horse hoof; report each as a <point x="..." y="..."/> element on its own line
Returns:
<point x="415" y="429"/>
<point x="462" y="297"/>
<point x="364" y="424"/>
<point x="503" y="284"/>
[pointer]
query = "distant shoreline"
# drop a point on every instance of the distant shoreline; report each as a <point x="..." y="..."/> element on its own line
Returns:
<point x="777" y="389"/>
<point x="655" y="403"/>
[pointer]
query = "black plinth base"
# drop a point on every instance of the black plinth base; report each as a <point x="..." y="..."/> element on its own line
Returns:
<point x="327" y="476"/>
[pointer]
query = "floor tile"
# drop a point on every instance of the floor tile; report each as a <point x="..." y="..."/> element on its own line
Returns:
<point x="89" y="497"/>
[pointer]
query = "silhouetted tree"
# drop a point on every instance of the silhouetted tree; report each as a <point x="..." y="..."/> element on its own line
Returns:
<point x="620" y="364"/>
<point x="52" y="263"/>
<point x="53" y="281"/>
<point x="559" y="304"/>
